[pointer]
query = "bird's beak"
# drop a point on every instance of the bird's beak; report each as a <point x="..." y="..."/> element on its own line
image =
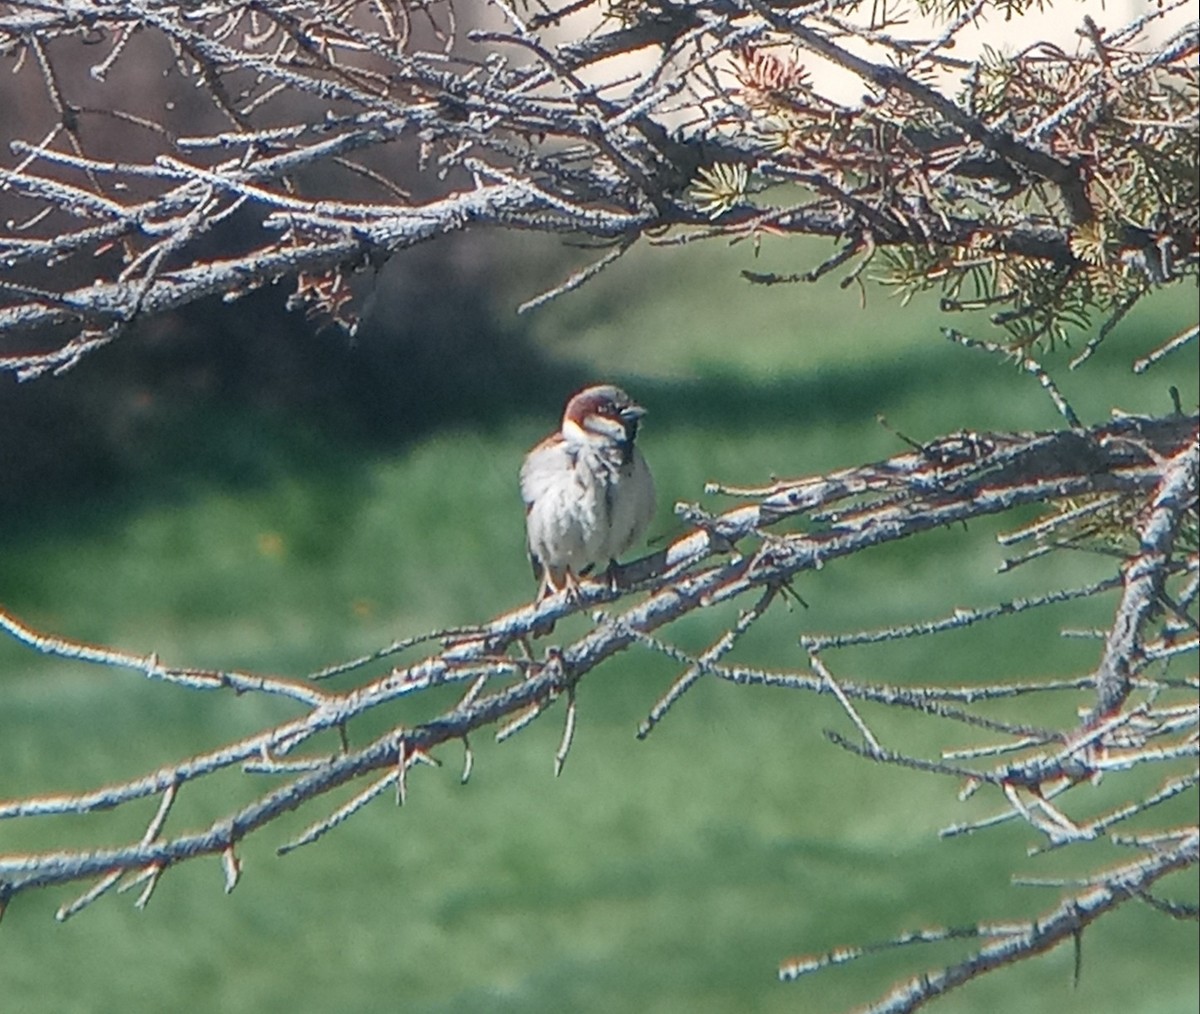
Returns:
<point x="632" y="413"/>
<point x="630" y="416"/>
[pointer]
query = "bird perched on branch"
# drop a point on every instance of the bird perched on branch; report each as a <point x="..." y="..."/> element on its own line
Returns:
<point x="587" y="490"/>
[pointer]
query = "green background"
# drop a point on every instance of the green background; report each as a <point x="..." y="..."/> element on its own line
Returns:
<point x="667" y="875"/>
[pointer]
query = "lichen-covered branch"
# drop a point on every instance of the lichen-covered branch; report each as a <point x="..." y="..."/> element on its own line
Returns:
<point x="1034" y="769"/>
<point x="1049" y="186"/>
<point x="1014" y="941"/>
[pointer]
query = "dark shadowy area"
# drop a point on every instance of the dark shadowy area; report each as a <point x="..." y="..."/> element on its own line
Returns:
<point x="197" y="393"/>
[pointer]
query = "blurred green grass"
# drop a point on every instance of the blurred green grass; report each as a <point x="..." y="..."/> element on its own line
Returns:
<point x="670" y="875"/>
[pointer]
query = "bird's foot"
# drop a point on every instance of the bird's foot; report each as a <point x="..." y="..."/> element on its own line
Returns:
<point x="613" y="576"/>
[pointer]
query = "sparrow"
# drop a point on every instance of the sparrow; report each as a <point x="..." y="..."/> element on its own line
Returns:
<point x="587" y="489"/>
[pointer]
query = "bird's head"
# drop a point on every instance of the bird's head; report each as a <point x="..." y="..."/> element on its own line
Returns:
<point x="603" y="416"/>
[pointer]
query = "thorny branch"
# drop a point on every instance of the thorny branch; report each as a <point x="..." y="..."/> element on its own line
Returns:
<point x="1018" y="940"/>
<point x="1049" y="185"/>
<point x="1137" y="707"/>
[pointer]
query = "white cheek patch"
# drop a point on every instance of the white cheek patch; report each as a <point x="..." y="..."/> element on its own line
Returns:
<point x="596" y="432"/>
<point x="575" y="433"/>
